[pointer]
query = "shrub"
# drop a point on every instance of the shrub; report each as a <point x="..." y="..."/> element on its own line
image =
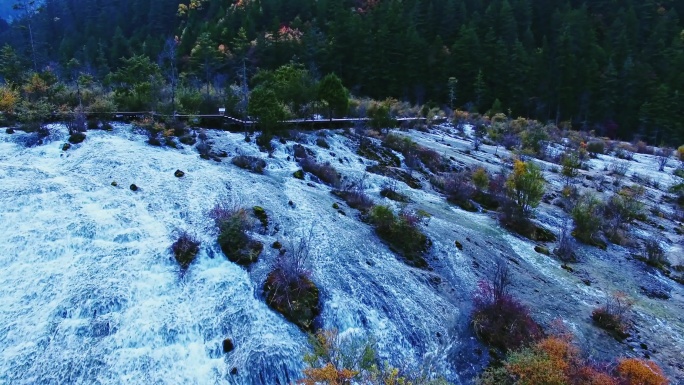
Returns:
<point x="553" y="360"/>
<point x="587" y="218"/>
<point x="400" y="143"/>
<point x="431" y="159"/>
<point x="480" y="178"/>
<point x="596" y="147"/>
<point x="185" y="248"/>
<point x="103" y="106"/>
<point x="380" y="116"/>
<point x="354" y="194"/>
<point x="289" y="289"/>
<point x="261" y="215"/>
<point x="571" y="164"/>
<point x="498" y="318"/>
<point x="349" y="359"/>
<point x="402" y="234"/>
<point x="655" y="255"/>
<point x="533" y="366"/>
<point x="355" y="198"/>
<point x="501" y="321"/>
<point x="457" y="188"/>
<point x="680" y="153"/>
<point x="636" y="371"/>
<point x="324" y="172"/>
<point x="251" y="163"/>
<point x="613" y="316"/>
<point x="525" y="187"/>
<point x="662" y="156"/>
<point x="9" y="99"/>
<point x="619" y="168"/>
<point x="389" y="191"/>
<point x="414" y="154"/>
<point x="232" y="223"/>
<point x="643" y="148"/>
<point x="624" y="207"/>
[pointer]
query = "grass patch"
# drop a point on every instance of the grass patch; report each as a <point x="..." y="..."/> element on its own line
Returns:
<point x="402" y="233"/>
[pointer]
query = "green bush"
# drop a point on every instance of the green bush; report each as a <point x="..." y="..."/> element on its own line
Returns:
<point x="587" y="217"/>
<point x="401" y="233"/>
<point x="613" y="316"/>
<point x="596" y="147"/>
<point x="185" y="248"/>
<point x="233" y="223"/>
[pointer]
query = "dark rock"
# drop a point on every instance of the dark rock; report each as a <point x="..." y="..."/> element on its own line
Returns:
<point x="66" y="146"/>
<point x="336" y="206"/>
<point x="277" y="245"/>
<point x="290" y="203"/>
<point x="458" y="245"/>
<point x="542" y="250"/>
<point x="299" y="151"/>
<point x="179" y="174"/>
<point x="222" y="154"/>
<point x="299" y="174"/>
<point x="655" y="291"/>
<point x="134" y="187"/>
<point x="154" y="142"/>
<point x="228" y="345"/>
<point x="114" y="184"/>
<point x="9" y="131"/>
<point x="233" y="371"/>
<point x="187" y="139"/>
<point x="77" y="137"/>
<point x="205" y="156"/>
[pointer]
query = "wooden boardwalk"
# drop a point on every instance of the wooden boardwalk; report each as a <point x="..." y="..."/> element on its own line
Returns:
<point x="226" y="121"/>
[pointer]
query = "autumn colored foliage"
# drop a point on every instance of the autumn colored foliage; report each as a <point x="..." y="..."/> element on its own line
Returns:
<point x="502" y="321"/>
<point x="641" y="372"/>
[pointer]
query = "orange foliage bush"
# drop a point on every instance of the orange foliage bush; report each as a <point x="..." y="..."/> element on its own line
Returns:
<point x="587" y="375"/>
<point x="8" y="100"/>
<point x="530" y="367"/>
<point x="555" y="360"/>
<point x="328" y="374"/>
<point x="641" y="372"/>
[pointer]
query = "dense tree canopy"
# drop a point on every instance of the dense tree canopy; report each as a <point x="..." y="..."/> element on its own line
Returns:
<point x="613" y="66"/>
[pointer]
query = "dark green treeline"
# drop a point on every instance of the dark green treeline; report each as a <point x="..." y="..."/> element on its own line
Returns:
<point x="616" y="66"/>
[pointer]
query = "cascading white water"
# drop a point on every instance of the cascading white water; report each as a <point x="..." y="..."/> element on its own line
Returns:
<point x="90" y="293"/>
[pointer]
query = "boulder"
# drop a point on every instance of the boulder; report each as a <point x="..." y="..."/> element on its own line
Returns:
<point x="77" y="137"/>
<point x="134" y="187"/>
<point x="228" y="345"/>
<point x="179" y="174"/>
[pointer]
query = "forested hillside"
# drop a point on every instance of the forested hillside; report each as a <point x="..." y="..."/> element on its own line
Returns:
<point x="612" y="66"/>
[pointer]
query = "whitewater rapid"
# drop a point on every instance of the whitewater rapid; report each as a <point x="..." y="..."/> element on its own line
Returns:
<point x="90" y="293"/>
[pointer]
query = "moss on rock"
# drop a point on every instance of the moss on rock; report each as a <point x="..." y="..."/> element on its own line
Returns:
<point x="296" y="299"/>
